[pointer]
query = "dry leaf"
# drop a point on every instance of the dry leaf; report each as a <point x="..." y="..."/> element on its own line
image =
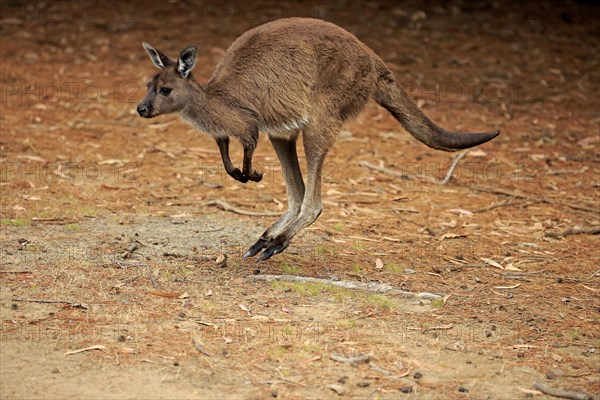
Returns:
<point x="446" y="297"/>
<point x="589" y="140"/>
<point x="511" y="267"/>
<point x="127" y="350"/>
<point x="451" y="235"/>
<point x="113" y="161"/>
<point x="491" y="262"/>
<point x="508" y="287"/>
<point x="243" y="307"/>
<point x="182" y="215"/>
<point x="460" y="211"/>
<point x="183" y="296"/>
<point x="477" y="153"/>
<point x="199" y="346"/>
<point x="378" y="264"/>
<point x="451" y="224"/>
<point x="531" y="391"/>
<point x="221" y="260"/>
<point x="170" y="295"/>
<point x="279" y="204"/>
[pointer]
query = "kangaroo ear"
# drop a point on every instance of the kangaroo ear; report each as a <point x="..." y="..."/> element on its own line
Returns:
<point x="158" y="57"/>
<point x="187" y="61"/>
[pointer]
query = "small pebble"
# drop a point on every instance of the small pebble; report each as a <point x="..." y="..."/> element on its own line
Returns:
<point x="256" y="271"/>
<point x="463" y="390"/>
<point x="176" y="363"/>
<point x="418" y="375"/>
<point x="488" y="334"/>
<point x="14" y="306"/>
<point x="339" y="389"/>
<point x="521" y="354"/>
<point x="122" y="338"/>
<point x="55" y="371"/>
<point x="550" y="374"/>
<point x="342" y="379"/>
<point x="273" y="393"/>
<point x="406" y="389"/>
<point x="363" y="384"/>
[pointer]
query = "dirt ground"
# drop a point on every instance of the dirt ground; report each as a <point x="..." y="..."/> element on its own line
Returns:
<point x="108" y="215"/>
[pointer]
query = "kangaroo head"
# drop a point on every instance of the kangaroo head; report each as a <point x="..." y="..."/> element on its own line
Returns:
<point x="169" y="90"/>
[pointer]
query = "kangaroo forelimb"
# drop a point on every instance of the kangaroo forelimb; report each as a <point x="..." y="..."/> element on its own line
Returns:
<point x="249" y="143"/>
<point x="247" y="169"/>
<point x="248" y="173"/>
<point x="235" y="173"/>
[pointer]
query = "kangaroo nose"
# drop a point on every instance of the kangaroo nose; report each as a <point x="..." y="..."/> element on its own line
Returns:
<point x="142" y="110"/>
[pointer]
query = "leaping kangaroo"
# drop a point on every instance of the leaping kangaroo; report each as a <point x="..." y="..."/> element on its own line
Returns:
<point x="283" y="77"/>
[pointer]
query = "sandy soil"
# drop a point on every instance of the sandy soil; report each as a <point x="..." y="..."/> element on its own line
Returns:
<point x="107" y="215"/>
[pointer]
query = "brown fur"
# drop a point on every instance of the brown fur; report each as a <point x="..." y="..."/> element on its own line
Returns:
<point x="281" y="78"/>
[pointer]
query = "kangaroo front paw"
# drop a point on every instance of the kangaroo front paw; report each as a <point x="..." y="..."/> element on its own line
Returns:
<point x="255" y="176"/>
<point x="238" y="175"/>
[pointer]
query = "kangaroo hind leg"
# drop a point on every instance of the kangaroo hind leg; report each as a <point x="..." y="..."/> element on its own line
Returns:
<point x="317" y="142"/>
<point x="286" y="152"/>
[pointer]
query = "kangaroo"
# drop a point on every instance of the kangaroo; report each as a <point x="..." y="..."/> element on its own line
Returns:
<point x="281" y="78"/>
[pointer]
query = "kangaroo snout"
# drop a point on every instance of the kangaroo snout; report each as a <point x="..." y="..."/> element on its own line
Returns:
<point x="143" y="110"/>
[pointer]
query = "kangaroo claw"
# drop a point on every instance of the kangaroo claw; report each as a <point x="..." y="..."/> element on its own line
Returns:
<point x="277" y="246"/>
<point x="256" y="247"/>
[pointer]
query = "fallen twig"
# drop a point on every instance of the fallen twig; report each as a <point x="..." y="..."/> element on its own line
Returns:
<point x="16" y="272"/>
<point x="55" y="221"/>
<point x="121" y="264"/>
<point x="591" y="230"/>
<point x="132" y="247"/>
<point x="508" y="287"/>
<point x="199" y="347"/>
<point x="385" y="170"/>
<point x="458" y="267"/>
<point x="387" y="373"/>
<point x="524" y="196"/>
<point x="452" y="168"/>
<point x="506" y="203"/>
<point x="565" y="394"/>
<point x="71" y="303"/>
<point x="151" y="276"/>
<point x="369" y="286"/>
<point x="362" y="358"/>
<point x="432" y="328"/>
<point x="96" y="347"/>
<point x="228" y="207"/>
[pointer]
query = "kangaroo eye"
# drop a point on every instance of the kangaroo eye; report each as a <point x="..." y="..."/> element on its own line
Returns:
<point x="165" y="91"/>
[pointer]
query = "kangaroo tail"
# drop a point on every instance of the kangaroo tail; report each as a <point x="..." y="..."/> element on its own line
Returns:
<point x="393" y="98"/>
